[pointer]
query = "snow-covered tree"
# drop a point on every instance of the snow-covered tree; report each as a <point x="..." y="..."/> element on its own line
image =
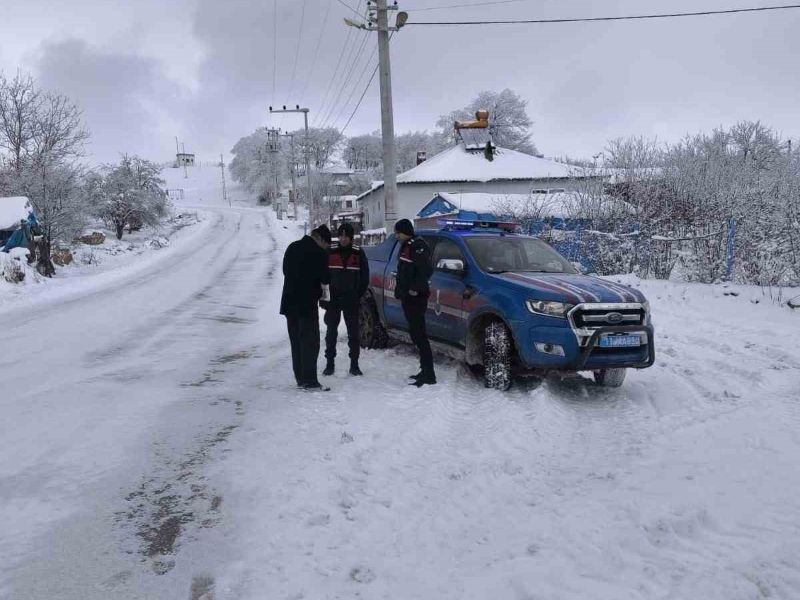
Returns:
<point x="688" y="195"/>
<point x="363" y="152"/>
<point x="59" y="200"/>
<point x="509" y="123"/>
<point x="254" y="165"/>
<point x="44" y="135"/>
<point x="128" y="194"/>
<point x="323" y="144"/>
<point x="408" y="144"/>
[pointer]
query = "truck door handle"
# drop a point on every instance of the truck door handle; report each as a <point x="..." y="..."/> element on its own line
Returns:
<point x="394" y="273"/>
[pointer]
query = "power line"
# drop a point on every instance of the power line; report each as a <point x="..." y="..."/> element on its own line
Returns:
<point x="624" y="18"/>
<point x="297" y="50"/>
<point x="347" y="76"/>
<point x="318" y="113"/>
<point x="416" y="10"/>
<point x="316" y="52"/>
<point x="364" y="93"/>
<point x="274" y="46"/>
<point x="347" y="6"/>
<point x="356" y="85"/>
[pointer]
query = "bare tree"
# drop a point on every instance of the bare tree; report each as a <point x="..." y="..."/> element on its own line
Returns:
<point x="58" y="132"/>
<point x="19" y="102"/>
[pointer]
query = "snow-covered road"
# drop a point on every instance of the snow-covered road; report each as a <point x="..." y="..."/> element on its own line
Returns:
<point x="111" y="415"/>
<point x="154" y="447"/>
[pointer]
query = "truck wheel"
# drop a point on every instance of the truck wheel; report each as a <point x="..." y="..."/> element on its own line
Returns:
<point x="372" y="333"/>
<point x="610" y="377"/>
<point x="497" y="350"/>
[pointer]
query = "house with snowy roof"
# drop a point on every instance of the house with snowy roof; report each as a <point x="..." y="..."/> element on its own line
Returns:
<point x="468" y="169"/>
<point x="554" y="207"/>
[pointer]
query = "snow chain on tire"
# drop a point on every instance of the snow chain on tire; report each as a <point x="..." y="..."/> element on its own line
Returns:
<point x="497" y="351"/>
<point x="610" y="377"/>
<point x="372" y="333"/>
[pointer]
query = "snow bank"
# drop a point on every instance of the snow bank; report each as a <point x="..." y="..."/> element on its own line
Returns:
<point x="15" y="271"/>
<point x="111" y="263"/>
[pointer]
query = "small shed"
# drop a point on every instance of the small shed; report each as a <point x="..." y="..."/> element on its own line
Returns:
<point x="184" y="159"/>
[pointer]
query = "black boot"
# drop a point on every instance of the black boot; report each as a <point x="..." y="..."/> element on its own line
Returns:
<point x="415" y="377"/>
<point x="354" y="370"/>
<point x="424" y="379"/>
<point x="329" y="368"/>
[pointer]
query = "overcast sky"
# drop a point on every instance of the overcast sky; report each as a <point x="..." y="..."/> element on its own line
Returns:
<point x="145" y="71"/>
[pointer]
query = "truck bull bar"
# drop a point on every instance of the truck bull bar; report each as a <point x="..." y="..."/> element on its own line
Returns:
<point x="586" y="351"/>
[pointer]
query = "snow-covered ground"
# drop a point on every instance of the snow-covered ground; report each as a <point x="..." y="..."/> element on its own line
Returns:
<point x="155" y="447"/>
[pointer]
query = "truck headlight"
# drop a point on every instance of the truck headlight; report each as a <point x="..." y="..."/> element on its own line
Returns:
<point x="549" y="309"/>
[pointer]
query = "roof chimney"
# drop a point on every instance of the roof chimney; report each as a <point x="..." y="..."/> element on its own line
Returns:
<point x="422" y="156"/>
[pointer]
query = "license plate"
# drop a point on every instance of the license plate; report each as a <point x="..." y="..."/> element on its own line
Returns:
<point x="620" y="341"/>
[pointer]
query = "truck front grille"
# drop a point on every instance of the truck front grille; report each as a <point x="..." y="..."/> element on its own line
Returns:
<point x="589" y="317"/>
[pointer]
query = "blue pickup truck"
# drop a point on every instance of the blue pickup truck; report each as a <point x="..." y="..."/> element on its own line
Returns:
<point x="508" y="304"/>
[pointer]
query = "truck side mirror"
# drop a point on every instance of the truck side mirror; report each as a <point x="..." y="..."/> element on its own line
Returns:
<point x="451" y="265"/>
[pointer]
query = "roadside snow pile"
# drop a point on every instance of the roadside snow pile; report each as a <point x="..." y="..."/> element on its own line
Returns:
<point x="133" y="244"/>
<point x="728" y="296"/>
<point x="14" y="267"/>
<point x="83" y="267"/>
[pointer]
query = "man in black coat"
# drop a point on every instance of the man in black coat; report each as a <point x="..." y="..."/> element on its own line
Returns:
<point x="349" y="275"/>
<point x="414" y="270"/>
<point x="305" y="279"/>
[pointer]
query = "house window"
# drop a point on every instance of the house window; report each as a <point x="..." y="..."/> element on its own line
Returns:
<point x="348" y="204"/>
<point x="538" y="191"/>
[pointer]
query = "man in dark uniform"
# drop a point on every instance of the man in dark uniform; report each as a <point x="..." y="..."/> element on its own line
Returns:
<point x="305" y="278"/>
<point x="414" y="270"/>
<point x="348" y="270"/>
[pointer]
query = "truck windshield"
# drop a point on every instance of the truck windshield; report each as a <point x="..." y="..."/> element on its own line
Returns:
<point x="519" y="254"/>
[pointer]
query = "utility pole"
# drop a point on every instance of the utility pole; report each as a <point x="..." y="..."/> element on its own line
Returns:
<point x="273" y="146"/>
<point x="224" y="189"/>
<point x="183" y="158"/>
<point x="311" y="201"/>
<point x="292" y="170"/>
<point x="379" y="21"/>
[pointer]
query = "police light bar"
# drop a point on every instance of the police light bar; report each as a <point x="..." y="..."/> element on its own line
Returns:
<point x="467" y="225"/>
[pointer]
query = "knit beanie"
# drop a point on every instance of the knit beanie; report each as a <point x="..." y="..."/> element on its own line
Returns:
<point x="404" y="226"/>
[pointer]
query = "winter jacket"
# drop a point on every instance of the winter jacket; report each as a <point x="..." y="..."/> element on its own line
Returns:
<point x="305" y="270"/>
<point x="348" y="269"/>
<point x="414" y="269"/>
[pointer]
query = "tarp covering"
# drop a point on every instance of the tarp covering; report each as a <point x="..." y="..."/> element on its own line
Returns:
<point x="22" y="236"/>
